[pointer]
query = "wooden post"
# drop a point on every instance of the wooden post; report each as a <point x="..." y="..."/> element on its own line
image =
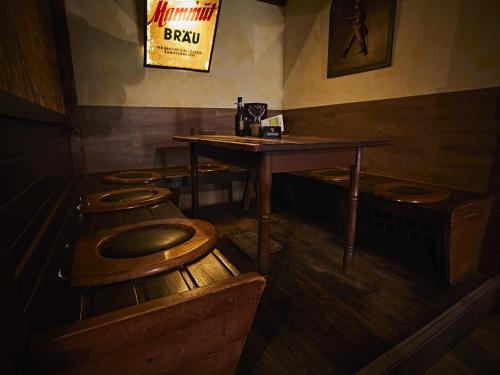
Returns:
<point x="265" y="178"/>
<point x="194" y="179"/>
<point x="352" y="214"/>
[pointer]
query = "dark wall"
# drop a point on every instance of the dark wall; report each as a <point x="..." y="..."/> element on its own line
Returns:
<point x="36" y="166"/>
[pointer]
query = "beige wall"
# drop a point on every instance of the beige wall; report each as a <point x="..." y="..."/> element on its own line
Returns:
<point x="439" y="46"/>
<point x="107" y="55"/>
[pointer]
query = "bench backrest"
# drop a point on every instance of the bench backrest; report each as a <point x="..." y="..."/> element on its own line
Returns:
<point x="444" y="139"/>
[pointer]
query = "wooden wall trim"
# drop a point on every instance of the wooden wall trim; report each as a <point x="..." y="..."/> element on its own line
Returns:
<point x="24" y="260"/>
<point x="425" y="347"/>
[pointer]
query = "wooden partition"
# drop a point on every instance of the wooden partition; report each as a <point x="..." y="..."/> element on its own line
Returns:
<point x="445" y="139"/>
<point x="37" y="180"/>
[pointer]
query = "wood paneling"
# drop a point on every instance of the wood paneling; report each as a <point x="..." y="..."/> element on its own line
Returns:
<point x="36" y="169"/>
<point x="443" y="139"/>
<point x="117" y="138"/>
<point x="28" y="60"/>
<point x="201" y="330"/>
<point x="419" y="351"/>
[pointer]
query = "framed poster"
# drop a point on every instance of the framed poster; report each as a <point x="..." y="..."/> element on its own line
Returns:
<point x="180" y="34"/>
<point x="360" y="37"/>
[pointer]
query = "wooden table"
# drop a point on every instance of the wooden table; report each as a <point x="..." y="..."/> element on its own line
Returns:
<point x="291" y="154"/>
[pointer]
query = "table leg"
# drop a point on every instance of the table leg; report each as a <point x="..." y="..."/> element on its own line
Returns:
<point x="194" y="180"/>
<point x="264" y="179"/>
<point x="352" y="214"/>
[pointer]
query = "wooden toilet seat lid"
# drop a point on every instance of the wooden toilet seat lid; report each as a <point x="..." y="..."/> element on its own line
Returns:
<point x="411" y="193"/>
<point x="210" y="168"/>
<point x="124" y="199"/>
<point x="333" y="174"/>
<point x="137" y="250"/>
<point x="132" y="177"/>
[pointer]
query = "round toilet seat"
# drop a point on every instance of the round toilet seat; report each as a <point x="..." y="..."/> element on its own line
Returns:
<point x="124" y="199"/>
<point x="210" y="168"/>
<point x="132" y="177"/>
<point x="333" y="174"/>
<point x="137" y="250"/>
<point x="411" y="193"/>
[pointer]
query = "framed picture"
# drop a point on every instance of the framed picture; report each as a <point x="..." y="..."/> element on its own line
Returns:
<point x="361" y="35"/>
<point x="180" y="34"/>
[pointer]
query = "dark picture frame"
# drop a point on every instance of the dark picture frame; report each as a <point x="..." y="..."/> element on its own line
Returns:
<point x="360" y="36"/>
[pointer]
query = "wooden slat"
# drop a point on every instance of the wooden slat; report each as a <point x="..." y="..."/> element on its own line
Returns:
<point x="107" y="298"/>
<point x="208" y="270"/>
<point x="164" y="285"/>
<point x="136" y="215"/>
<point x="34" y="221"/>
<point x="19" y="215"/>
<point x="27" y="168"/>
<point x="40" y="251"/>
<point x="107" y="220"/>
<point x="114" y="151"/>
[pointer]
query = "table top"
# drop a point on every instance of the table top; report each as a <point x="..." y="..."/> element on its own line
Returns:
<point x="254" y="144"/>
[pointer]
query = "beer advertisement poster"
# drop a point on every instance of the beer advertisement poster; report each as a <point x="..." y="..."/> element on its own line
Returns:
<point x="180" y="34"/>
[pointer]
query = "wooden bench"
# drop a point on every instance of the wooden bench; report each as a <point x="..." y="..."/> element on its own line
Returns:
<point x="194" y="317"/>
<point x="451" y="231"/>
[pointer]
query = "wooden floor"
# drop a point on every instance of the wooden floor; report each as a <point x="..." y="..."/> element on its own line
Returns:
<point x="478" y="353"/>
<point x="314" y="320"/>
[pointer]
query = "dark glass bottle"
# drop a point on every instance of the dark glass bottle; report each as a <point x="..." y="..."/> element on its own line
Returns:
<point x="239" y="121"/>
